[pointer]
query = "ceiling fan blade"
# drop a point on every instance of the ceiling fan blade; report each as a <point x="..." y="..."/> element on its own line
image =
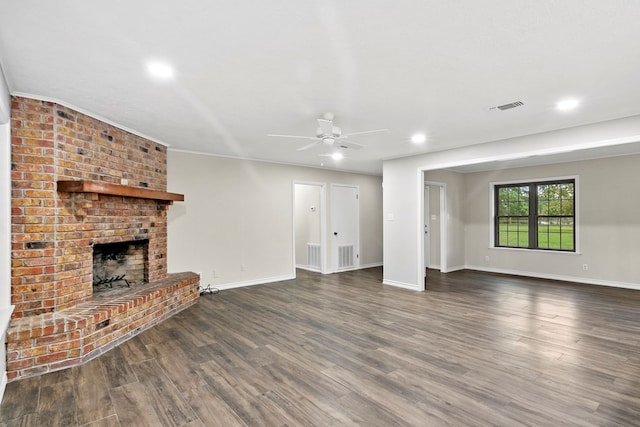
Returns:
<point x="346" y="135"/>
<point x="326" y="126"/>
<point x="349" y="144"/>
<point x="294" y="136"/>
<point x="306" y="146"/>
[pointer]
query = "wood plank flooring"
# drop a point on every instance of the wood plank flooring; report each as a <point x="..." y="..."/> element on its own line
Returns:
<point x="338" y="350"/>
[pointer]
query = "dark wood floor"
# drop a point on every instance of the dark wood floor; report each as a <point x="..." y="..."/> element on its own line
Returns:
<point x="476" y="349"/>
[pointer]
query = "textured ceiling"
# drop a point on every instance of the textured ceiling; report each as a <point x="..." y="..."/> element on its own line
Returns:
<point x="247" y="69"/>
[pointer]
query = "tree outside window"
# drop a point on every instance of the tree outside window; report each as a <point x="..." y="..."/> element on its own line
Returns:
<point x="536" y="215"/>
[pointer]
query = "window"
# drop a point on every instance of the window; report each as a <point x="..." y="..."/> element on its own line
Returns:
<point x="535" y="215"/>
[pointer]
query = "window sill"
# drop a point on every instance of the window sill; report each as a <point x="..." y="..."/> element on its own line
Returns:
<point x="544" y="251"/>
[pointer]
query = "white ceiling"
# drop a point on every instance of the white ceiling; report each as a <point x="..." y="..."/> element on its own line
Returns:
<point x="245" y="69"/>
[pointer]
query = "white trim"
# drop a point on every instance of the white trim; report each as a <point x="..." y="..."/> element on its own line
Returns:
<point x="3" y="385"/>
<point x="370" y="265"/>
<point x="5" y="319"/>
<point x="454" y="268"/>
<point x="360" y="267"/>
<point x="166" y="144"/>
<point x="266" y="280"/>
<point x="402" y="285"/>
<point x="306" y="267"/>
<point x="254" y="282"/>
<point x="420" y="276"/>
<point x="537" y="180"/>
<point x="583" y="280"/>
<point x="5" y="101"/>
<point x="540" y="251"/>
<point x="87" y="113"/>
<point x="427" y="226"/>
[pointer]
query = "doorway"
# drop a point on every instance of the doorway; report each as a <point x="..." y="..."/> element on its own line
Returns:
<point x="433" y="228"/>
<point x="432" y="225"/>
<point x="345" y="225"/>
<point x="309" y="220"/>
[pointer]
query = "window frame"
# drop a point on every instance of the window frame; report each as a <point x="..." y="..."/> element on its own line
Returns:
<point x="532" y="217"/>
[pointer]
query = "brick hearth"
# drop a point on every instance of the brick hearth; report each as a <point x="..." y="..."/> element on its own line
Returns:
<point x="57" y="320"/>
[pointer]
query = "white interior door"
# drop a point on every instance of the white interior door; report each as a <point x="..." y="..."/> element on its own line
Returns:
<point x="345" y="225"/>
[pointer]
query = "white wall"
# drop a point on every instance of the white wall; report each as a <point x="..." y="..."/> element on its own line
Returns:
<point x="307" y="219"/>
<point x="237" y="217"/>
<point x="5" y="223"/>
<point x="608" y="223"/>
<point x="403" y="194"/>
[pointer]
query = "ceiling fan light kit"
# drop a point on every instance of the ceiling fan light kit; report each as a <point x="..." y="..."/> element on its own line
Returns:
<point x="327" y="134"/>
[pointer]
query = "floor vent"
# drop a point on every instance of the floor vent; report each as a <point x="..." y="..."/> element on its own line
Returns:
<point x="313" y="255"/>
<point x="345" y="256"/>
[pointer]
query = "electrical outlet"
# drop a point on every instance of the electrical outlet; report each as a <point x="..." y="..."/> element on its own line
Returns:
<point x="487" y="258"/>
<point x="585" y="267"/>
<point x="243" y="267"/>
<point x="215" y="274"/>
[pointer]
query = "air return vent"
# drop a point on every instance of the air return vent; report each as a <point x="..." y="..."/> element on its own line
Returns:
<point x="313" y="255"/>
<point x="508" y="106"/>
<point x="345" y="256"/>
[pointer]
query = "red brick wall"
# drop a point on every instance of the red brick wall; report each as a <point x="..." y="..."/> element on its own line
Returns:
<point x="52" y="232"/>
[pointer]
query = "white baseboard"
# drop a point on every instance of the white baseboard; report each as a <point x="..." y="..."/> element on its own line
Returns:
<point x="308" y="268"/>
<point x="360" y="267"/>
<point x="401" y="285"/>
<point x="585" y="280"/>
<point x="454" y="268"/>
<point x="5" y="319"/>
<point x="3" y="385"/>
<point x="254" y="282"/>
<point x="370" y="265"/>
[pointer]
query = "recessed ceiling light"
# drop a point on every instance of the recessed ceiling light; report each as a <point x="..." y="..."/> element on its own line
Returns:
<point x="418" y="138"/>
<point x="567" y="104"/>
<point x="160" y="69"/>
<point x="337" y="156"/>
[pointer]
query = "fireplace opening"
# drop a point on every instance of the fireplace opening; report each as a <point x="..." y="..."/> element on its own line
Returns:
<point x="120" y="265"/>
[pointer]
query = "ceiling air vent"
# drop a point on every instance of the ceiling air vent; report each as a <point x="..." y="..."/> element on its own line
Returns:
<point x="508" y="106"/>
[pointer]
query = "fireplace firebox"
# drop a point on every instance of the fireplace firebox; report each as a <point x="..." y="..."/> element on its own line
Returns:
<point x="120" y="264"/>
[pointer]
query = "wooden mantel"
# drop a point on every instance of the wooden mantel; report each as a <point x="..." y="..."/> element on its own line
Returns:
<point x="118" y="190"/>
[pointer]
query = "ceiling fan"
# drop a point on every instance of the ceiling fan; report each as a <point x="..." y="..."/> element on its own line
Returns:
<point x="330" y="135"/>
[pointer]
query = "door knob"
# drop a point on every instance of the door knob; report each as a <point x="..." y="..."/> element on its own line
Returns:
<point x="335" y="233"/>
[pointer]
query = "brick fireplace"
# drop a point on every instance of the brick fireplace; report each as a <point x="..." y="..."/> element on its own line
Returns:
<point x="57" y="224"/>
